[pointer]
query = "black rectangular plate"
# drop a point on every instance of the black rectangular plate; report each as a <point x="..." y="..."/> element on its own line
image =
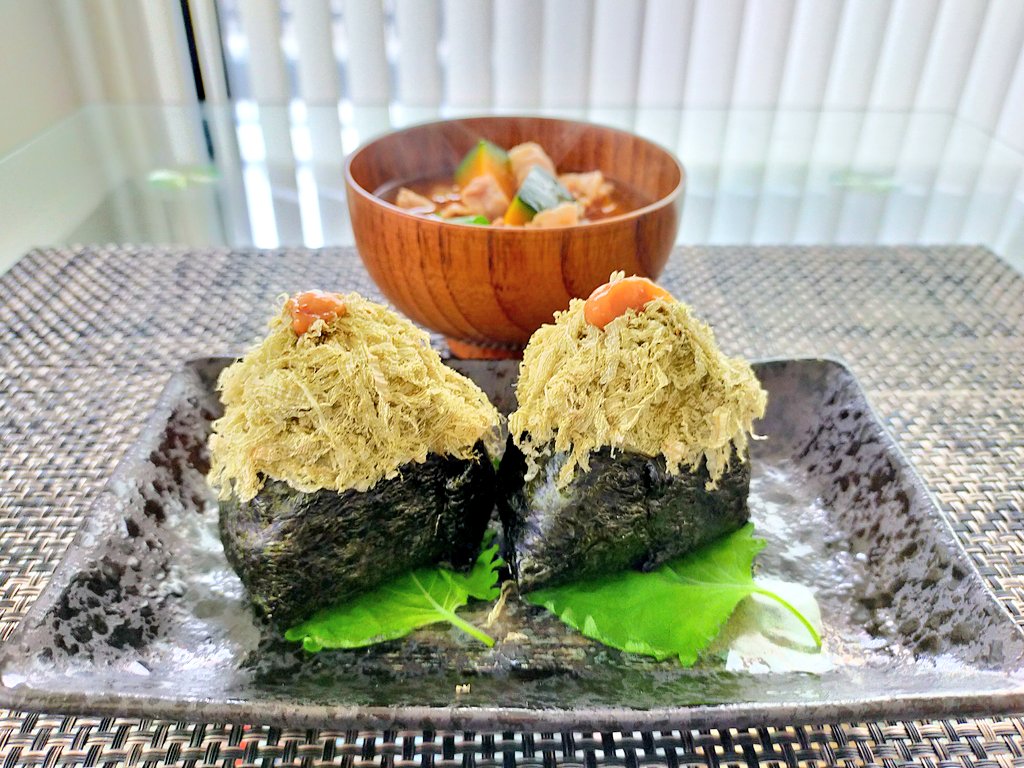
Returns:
<point x="144" y="616"/>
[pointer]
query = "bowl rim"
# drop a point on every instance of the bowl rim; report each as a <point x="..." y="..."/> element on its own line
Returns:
<point x="636" y="213"/>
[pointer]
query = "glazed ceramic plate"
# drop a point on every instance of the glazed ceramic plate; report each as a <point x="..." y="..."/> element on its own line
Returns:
<point x="144" y="616"/>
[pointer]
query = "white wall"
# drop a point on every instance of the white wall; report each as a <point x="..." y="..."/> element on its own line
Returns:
<point x="129" y="51"/>
<point x="37" y="85"/>
<point x="59" y="55"/>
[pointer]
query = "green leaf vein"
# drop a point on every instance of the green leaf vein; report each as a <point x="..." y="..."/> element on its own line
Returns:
<point x="676" y="610"/>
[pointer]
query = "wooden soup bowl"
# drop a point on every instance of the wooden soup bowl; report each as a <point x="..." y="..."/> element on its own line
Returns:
<point x="488" y="288"/>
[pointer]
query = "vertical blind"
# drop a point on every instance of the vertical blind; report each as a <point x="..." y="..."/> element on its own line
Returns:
<point x="960" y="56"/>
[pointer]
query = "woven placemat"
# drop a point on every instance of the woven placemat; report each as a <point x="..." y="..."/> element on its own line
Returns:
<point x="935" y="335"/>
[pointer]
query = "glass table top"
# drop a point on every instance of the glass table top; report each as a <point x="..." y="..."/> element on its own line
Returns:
<point x="246" y="175"/>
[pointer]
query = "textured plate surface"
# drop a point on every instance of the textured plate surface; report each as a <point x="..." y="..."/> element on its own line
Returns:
<point x="934" y="334"/>
<point x="145" y="615"/>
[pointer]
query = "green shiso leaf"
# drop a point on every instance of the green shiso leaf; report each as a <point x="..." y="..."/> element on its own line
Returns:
<point x="676" y="610"/>
<point x="416" y="599"/>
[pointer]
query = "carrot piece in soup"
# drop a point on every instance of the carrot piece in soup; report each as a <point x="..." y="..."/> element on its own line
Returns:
<point x="611" y="300"/>
<point x="305" y="308"/>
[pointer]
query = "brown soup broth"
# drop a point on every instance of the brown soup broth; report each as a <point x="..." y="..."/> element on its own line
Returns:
<point x="441" y="190"/>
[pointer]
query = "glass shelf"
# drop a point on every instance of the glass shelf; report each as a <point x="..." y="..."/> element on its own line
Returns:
<point x="243" y="175"/>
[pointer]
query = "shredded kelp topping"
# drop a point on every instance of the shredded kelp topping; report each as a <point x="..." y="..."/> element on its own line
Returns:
<point x="652" y="382"/>
<point x="342" y="406"/>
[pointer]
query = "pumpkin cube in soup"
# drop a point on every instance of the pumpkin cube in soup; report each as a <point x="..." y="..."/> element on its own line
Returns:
<point x="518" y="213"/>
<point x="539" y="191"/>
<point x="485" y="159"/>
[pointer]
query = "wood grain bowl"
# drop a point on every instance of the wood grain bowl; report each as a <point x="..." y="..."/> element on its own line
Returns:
<point x="488" y="288"/>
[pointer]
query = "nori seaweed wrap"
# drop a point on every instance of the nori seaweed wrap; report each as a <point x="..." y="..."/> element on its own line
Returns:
<point x="626" y="511"/>
<point x="629" y="444"/>
<point x="299" y="552"/>
<point x="348" y="453"/>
